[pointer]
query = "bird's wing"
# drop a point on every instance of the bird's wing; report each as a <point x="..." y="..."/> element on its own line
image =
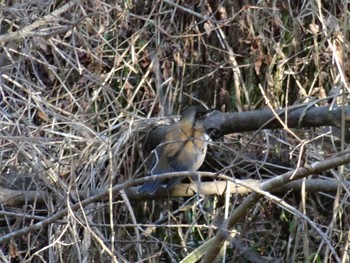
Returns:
<point x="182" y="155"/>
<point x="180" y="152"/>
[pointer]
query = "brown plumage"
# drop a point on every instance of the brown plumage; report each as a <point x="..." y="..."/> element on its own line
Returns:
<point x="183" y="149"/>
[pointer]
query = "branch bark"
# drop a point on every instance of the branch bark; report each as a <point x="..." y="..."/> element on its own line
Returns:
<point x="16" y="198"/>
<point x="222" y="234"/>
<point x="299" y="116"/>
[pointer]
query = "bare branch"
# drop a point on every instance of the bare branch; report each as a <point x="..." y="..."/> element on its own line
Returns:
<point x="299" y="116"/>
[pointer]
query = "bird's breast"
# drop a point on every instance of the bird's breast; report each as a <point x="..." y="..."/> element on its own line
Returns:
<point x="182" y="151"/>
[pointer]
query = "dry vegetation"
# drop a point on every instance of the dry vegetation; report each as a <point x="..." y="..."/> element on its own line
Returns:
<point x="81" y="84"/>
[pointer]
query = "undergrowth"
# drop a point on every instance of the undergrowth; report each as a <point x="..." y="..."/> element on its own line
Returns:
<point x="83" y="82"/>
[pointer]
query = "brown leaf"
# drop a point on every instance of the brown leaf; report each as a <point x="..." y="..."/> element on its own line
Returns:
<point x="178" y="59"/>
<point x="42" y="115"/>
<point x="257" y="65"/>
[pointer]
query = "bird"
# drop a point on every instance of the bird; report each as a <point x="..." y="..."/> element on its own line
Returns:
<point x="183" y="148"/>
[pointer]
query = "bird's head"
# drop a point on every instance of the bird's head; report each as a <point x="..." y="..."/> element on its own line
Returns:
<point x="193" y="117"/>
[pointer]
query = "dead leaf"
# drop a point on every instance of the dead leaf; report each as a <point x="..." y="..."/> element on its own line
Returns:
<point x="178" y="59"/>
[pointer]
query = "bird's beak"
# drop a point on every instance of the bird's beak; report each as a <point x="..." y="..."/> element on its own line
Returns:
<point x="209" y="124"/>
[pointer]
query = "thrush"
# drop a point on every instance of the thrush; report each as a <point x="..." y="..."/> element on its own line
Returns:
<point x="183" y="149"/>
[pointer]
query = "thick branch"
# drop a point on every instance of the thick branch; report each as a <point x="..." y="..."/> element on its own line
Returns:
<point x="299" y="116"/>
<point x="235" y="187"/>
<point x="222" y="235"/>
<point x="16" y="198"/>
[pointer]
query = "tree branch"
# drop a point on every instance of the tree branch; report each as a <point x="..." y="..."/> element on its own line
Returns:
<point x="16" y="198"/>
<point x="299" y="116"/>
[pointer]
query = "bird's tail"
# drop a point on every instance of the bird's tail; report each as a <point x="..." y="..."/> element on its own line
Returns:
<point x="150" y="187"/>
<point x="173" y="181"/>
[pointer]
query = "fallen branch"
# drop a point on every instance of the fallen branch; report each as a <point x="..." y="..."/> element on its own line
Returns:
<point x="298" y="116"/>
<point x="16" y="198"/>
<point x="269" y="185"/>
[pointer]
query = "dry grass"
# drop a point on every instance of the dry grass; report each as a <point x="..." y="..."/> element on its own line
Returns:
<point x="83" y="82"/>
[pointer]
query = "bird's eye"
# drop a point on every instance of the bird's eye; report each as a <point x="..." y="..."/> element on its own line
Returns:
<point x="200" y="115"/>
